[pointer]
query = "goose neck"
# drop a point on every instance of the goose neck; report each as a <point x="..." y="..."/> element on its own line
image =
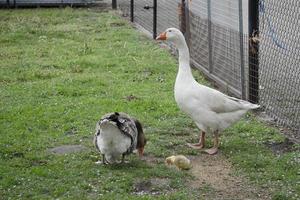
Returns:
<point x="184" y="60"/>
<point x="184" y="55"/>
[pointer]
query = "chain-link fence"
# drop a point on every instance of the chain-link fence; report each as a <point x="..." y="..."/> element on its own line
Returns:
<point x="251" y="57"/>
<point x="279" y="60"/>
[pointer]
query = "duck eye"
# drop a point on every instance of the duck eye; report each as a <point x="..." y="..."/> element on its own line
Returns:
<point x="169" y="31"/>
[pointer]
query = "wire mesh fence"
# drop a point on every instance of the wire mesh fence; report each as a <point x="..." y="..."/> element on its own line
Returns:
<point x="216" y="28"/>
<point x="279" y="59"/>
<point x="260" y="64"/>
<point x="143" y="13"/>
<point x="168" y="14"/>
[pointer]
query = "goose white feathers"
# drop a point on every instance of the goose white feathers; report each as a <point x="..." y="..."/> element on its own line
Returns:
<point x="117" y="134"/>
<point x="211" y="110"/>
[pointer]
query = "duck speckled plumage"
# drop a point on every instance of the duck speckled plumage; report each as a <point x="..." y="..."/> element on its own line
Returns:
<point x="118" y="134"/>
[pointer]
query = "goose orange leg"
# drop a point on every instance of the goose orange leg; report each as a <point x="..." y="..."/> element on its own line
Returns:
<point x="214" y="149"/>
<point x="200" y="144"/>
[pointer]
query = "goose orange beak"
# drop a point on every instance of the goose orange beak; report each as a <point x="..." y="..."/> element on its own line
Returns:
<point x="162" y="36"/>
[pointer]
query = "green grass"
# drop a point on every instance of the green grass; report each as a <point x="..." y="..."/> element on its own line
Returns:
<point x="245" y="146"/>
<point x="62" y="69"/>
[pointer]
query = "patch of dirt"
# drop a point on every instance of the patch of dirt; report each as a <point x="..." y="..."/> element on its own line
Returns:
<point x="154" y="186"/>
<point x="117" y="24"/>
<point x="217" y="172"/>
<point x="214" y="178"/>
<point x="13" y="154"/>
<point x="18" y="154"/>
<point x="152" y="160"/>
<point x="131" y="97"/>
<point x="280" y="148"/>
<point x="67" y="149"/>
<point x="72" y="131"/>
<point x="39" y="162"/>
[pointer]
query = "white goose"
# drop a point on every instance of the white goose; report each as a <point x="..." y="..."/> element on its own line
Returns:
<point x="211" y="110"/>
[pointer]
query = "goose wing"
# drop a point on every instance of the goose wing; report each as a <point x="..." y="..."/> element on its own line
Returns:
<point x="220" y="103"/>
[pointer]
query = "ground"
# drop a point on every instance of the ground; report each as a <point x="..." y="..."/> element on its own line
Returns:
<point x="62" y="69"/>
<point x="215" y="178"/>
<point x="217" y="172"/>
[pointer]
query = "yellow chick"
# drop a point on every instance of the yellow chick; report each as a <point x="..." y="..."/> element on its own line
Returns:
<point x="180" y="161"/>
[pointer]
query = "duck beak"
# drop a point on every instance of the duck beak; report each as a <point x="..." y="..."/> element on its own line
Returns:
<point x="162" y="36"/>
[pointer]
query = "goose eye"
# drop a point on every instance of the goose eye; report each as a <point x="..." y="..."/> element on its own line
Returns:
<point x="169" y="31"/>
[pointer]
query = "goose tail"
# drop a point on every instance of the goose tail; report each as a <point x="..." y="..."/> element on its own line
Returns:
<point x="254" y="106"/>
<point x="248" y="105"/>
<point x="245" y="104"/>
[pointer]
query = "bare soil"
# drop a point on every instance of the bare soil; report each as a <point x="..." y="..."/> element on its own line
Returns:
<point x="214" y="178"/>
<point x="153" y="186"/>
<point x="217" y="172"/>
<point x="279" y="148"/>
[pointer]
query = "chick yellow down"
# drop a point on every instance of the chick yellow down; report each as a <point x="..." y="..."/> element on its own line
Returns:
<point x="180" y="161"/>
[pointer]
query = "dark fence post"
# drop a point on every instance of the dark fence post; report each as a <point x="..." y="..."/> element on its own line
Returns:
<point x="154" y="18"/>
<point x="187" y="23"/>
<point x="131" y="10"/>
<point x="210" y="63"/>
<point x="241" y="30"/>
<point x="114" y="4"/>
<point x="181" y="9"/>
<point x="253" y="11"/>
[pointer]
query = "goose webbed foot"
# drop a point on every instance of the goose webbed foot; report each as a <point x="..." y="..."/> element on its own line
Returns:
<point x="200" y="144"/>
<point x="196" y="146"/>
<point x="212" y="151"/>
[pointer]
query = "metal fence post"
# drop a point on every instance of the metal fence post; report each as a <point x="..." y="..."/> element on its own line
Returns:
<point x="241" y="30"/>
<point x="253" y="54"/>
<point x="154" y="18"/>
<point x="114" y="4"/>
<point x="182" y="16"/>
<point x="187" y="24"/>
<point x="131" y="10"/>
<point x="210" y="63"/>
